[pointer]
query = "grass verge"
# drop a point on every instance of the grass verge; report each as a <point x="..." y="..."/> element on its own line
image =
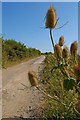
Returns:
<point x="53" y="85"/>
<point x="17" y="61"/>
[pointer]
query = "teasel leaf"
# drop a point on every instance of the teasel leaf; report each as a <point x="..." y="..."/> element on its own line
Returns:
<point x="69" y="84"/>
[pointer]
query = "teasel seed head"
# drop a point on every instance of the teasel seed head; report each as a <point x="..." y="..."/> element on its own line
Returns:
<point x="61" y="41"/>
<point x="74" y="48"/>
<point x="77" y="72"/>
<point x="33" y="78"/>
<point x="50" y="18"/>
<point x="65" y="52"/>
<point x="58" y="51"/>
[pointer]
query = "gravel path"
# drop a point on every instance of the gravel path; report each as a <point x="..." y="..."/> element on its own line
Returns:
<point x="19" y="100"/>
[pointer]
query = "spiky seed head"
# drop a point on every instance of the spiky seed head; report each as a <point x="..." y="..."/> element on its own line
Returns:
<point x="33" y="78"/>
<point x="77" y="71"/>
<point x="50" y="18"/>
<point x="61" y="41"/>
<point x="74" y="48"/>
<point x="58" y="51"/>
<point x="65" y="52"/>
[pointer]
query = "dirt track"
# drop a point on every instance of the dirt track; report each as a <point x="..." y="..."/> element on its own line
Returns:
<point x="19" y="100"/>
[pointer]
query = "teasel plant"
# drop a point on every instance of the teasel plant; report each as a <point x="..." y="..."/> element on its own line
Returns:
<point x="51" y="22"/>
<point x="61" y="41"/>
<point x="76" y="69"/>
<point x="74" y="50"/>
<point x="62" y="56"/>
<point x="65" y="54"/>
<point x="34" y="83"/>
<point x="71" y="83"/>
<point x="58" y="53"/>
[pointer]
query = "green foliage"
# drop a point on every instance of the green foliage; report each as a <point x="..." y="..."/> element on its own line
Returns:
<point x="58" y="85"/>
<point x="61" y="81"/>
<point x="69" y="83"/>
<point x="13" y="51"/>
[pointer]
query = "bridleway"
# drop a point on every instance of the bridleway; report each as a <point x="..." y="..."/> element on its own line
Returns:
<point x="18" y="98"/>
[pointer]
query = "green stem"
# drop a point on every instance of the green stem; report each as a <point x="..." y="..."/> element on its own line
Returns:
<point x="50" y="96"/>
<point x="52" y="38"/>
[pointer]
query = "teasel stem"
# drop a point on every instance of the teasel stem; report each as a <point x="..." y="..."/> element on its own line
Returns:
<point x="52" y="38"/>
<point x="48" y="95"/>
<point x="65" y="72"/>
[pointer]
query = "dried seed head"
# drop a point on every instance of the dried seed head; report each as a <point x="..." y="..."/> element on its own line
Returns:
<point x="65" y="52"/>
<point x="61" y="41"/>
<point x="50" y="18"/>
<point x="58" y="51"/>
<point x="74" y="48"/>
<point x="77" y="72"/>
<point x="33" y="78"/>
